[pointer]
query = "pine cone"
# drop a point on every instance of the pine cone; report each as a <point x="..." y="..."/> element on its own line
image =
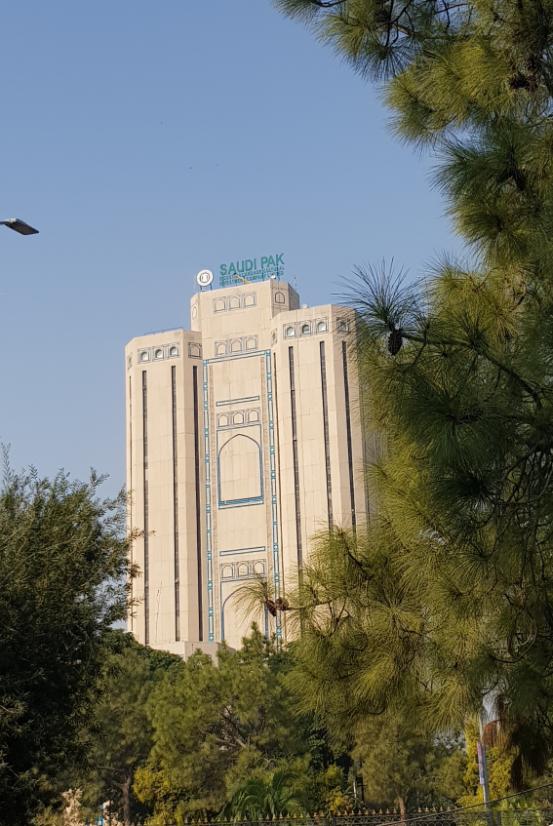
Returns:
<point x="395" y="341"/>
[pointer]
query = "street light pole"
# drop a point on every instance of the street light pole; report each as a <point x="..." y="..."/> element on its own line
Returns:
<point x="22" y="227"/>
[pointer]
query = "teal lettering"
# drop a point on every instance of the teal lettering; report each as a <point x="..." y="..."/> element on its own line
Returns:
<point x="264" y="262"/>
<point x="223" y="270"/>
<point x="231" y="270"/>
<point x="280" y="260"/>
<point x="271" y="261"/>
<point x="248" y="265"/>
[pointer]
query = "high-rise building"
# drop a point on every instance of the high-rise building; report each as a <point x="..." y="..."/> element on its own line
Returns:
<point x="244" y="440"/>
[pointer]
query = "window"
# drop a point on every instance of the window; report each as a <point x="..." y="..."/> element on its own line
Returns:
<point x="144" y="355"/>
<point x="259" y="567"/>
<point x="249" y="300"/>
<point x="251" y="343"/>
<point x="234" y="303"/>
<point x="220" y="348"/>
<point x="243" y="569"/>
<point x="289" y="332"/>
<point x="280" y="298"/>
<point x="223" y="421"/>
<point x="253" y="416"/>
<point x="306" y="329"/>
<point x="322" y="327"/>
<point x="219" y="305"/>
<point x="236" y="346"/>
<point x="158" y="354"/>
<point x="343" y="326"/>
<point x="227" y="572"/>
<point x="173" y="351"/>
<point x="238" y="418"/>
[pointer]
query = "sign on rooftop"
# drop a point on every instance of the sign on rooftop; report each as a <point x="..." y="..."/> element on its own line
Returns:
<point x="251" y="269"/>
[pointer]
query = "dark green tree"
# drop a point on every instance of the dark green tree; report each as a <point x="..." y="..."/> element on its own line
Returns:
<point x="118" y="733"/>
<point x="62" y="585"/>
<point x="221" y="729"/>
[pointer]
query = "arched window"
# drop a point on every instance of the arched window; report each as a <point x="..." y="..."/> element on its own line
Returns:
<point x="251" y="343"/>
<point x="243" y="569"/>
<point x="253" y="416"/>
<point x="306" y="329"/>
<point x="223" y="420"/>
<point x="289" y="332"/>
<point x="158" y="353"/>
<point x="238" y="418"/>
<point x="219" y="305"/>
<point x="234" y="303"/>
<point x="144" y="356"/>
<point x="259" y="567"/>
<point x="280" y="298"/>
<point x="322" y="327"/>
<point x="249" y="300"/>
<point x="173" y="351"/>
<point x="239" y="471"/>
<point x="220" y="348"/>
<point x="227" y="572"/>
<point x="236" y="346"/>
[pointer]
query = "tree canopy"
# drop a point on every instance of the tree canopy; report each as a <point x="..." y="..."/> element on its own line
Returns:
<point x="62" y="574"/>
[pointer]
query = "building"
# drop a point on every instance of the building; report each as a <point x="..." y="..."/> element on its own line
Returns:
<point x="243" y="441"/>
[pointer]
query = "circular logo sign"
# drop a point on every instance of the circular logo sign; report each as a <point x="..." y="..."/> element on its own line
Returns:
<point x="204" y="278"/>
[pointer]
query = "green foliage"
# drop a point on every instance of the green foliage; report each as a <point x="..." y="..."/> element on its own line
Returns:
<point x="62" y="567"/>
<point x="404" y="765"/>
<point x="118" y="735"/>
<point x="265" y="798"/>
<point x="214" y="723"/>
<point x="227" y="733"/>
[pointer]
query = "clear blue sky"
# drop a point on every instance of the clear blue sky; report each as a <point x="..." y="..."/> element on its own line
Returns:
<point x="148" y="140"/>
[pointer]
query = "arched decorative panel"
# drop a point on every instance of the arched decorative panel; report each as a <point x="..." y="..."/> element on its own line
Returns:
<point x="240" y="471"/>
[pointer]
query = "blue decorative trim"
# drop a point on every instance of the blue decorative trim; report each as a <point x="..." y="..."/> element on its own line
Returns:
<point x="274" y="496"/>
<point x="261" y="549"/>
<point x="208" y="519"/>
<point x="233" y="356"/>
<point x="227" y="427"/>
<point x="237" y="401"/>
<point x="240" y="503"/>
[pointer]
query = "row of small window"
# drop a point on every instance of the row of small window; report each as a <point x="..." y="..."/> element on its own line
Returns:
<point x="243" y="570"/>
<point x="234" y="302"/>
<point x="158" y="353"/>
<point x="235" y="345"/>
<point x="305" y="329"/>
<point x="170" y="351"/>
<point x="238" y="418"/>
<point x="310" y="327"/>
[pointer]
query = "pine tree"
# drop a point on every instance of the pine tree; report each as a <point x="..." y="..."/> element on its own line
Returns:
<point x="447" y="599"/>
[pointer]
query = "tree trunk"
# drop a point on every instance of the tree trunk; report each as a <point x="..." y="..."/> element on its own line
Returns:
<point x="402" y="809"/>
<point x="126" y="790"/>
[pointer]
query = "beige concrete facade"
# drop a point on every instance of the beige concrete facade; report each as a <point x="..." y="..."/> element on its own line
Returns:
<point x="243" y="441"/>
